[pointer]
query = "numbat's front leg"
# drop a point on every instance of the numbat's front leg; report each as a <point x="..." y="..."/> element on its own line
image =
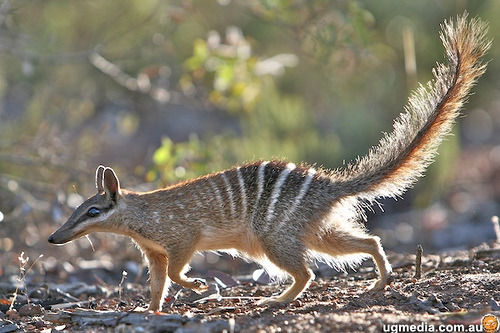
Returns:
<point x="176" y="269"/>
<point x="158" y="275"/>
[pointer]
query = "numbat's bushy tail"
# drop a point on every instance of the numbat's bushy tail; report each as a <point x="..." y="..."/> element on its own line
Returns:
<point x="281" y="213"/>
<point x="404" y="154"/>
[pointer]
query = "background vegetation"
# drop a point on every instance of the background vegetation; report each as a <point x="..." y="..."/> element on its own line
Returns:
<point x="169" y="90"/>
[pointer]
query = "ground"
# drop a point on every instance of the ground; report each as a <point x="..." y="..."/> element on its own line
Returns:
<point x="458" y="288"/>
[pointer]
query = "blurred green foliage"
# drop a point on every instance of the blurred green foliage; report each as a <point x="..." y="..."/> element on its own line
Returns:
<point x="227" y="70"/>
<point x="85" y="82"/>
<point x="280" y="127"/>
<point x="179" y="161"/>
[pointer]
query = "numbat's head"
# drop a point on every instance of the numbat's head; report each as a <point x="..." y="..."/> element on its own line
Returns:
<point x="96" y="212"/>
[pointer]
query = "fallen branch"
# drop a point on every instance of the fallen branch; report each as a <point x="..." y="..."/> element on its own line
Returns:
<point x="112" y="318"/>
<point x="69" y="305"/>
<point x="141" y="83"/>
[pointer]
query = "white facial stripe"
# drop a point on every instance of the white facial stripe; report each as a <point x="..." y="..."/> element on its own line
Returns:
<point x="93" y="220"/>
<point x="277" y="189"/>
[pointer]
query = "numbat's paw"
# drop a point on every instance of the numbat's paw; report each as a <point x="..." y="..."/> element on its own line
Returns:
<point x="381" y="283"/>
<point x="272" y="301"/>
<point x="378" y="285"/>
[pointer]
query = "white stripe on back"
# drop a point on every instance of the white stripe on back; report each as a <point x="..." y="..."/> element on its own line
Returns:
<point x="230" y="193"/>
<point x="243" y="194"/>
<point x="303" y="190"/>
<point x="260" y="186"/>
<point x="277" y="189"/>
<point x="217" y="196"/>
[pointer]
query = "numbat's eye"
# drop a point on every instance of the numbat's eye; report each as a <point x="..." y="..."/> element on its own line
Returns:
<point x="93" y="212"/>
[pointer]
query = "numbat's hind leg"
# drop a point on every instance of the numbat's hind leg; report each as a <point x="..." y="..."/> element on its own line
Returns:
<point x="301" y="280"/>
<point x="338" y="243"/>
<point x="289" y="256"/>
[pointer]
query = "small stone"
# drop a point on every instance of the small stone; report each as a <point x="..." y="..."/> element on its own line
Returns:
<point x="30" y="328"/>
<point x="12" y="314"/>
<point x="495" y="306"/>
<point x="30" y="310"/>
<point x="452" y="307"/>
<point x="39" y="293"/>
<point x="261" y="276"/>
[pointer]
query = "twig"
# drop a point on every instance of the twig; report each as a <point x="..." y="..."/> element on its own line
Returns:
<point x="62" y="306"/>
<point x="29" y="184"/>
<point x="418" y="262"/>
<point x="232" y="324"/>
<point x="140" y="83"/>
<point x="241" y="297"/>
<point x="37" y="161"/>
<point x="220" y="309"/>
<point x="24" y="195"/>
<point x="496" y="227"/>
<point x="120" y="286"/>
<point x="90" y="241"/>
<point x="67" y="295"/>
<point x="413" y="299"/>
<point x="22" y="274"/>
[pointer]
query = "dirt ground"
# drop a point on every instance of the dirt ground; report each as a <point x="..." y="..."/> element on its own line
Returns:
<point x="456" y="289"/>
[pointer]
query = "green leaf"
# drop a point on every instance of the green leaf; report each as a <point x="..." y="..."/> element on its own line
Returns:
<point x="163" y="154"/>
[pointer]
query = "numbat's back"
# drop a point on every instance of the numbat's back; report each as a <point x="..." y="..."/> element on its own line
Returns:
<point x="281" y="213"/>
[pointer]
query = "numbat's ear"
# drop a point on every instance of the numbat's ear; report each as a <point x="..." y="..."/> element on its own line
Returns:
<point x="111" y="184"/>
<point x="99" y="174"/>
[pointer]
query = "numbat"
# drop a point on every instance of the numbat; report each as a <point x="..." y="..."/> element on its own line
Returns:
<point x="281" y="213"/>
